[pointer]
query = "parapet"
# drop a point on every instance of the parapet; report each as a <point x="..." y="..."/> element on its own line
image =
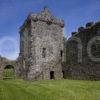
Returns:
<point x="89" y="26"/>
<point x="80" y="29"/>
<point x="44" y="16"/>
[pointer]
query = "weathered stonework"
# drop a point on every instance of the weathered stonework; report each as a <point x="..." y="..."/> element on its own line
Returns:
<point x="42" y="33"/>
<point x="46" y="54"/>
<point x="87" y="68"/>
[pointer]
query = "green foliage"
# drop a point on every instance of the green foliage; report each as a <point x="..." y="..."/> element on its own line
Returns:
<point x="8" y="73"/>
<point x="49" y="90"/>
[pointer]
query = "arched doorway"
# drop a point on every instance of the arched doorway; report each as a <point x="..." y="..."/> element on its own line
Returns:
<point x="9" y="72"/>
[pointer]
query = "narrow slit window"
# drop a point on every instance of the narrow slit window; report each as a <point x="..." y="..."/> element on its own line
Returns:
<point x="44" y="52"/>
<point x="61" y="53"/>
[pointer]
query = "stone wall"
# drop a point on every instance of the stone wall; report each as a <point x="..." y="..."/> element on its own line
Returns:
<point x="88" y="68"/>
<point x="46" y="54"/>
<point x="42" y="49"/>
<point x="4" y="62"/>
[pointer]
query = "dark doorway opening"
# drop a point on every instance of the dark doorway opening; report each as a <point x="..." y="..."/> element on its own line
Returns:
<point x="61" y="53"/>
<point x="9" y="72"/>
<point x="64" y="76"/>
<point x="52" y="75"/>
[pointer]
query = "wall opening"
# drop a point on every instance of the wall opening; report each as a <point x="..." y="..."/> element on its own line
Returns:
<point x="52" y="75"/>
<point x="44" y="52"/>
<point x="8" y="72"/>
<point x="64" y="76"/>
<point x="61" y="53"/>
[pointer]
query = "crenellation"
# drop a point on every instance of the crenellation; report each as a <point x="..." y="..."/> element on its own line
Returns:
<point x="89" y="24"/>
<point x="81" y="29"/>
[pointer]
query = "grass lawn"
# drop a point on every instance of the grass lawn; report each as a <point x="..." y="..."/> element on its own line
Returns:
<point x="49" y="90"/>
<point x="9" y="74"/>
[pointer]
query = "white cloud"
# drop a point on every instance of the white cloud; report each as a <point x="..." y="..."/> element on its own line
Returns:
<point x="9" y="47"/>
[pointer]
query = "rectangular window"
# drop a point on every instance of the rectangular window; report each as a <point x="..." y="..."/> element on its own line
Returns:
<point x="44" y="52"/>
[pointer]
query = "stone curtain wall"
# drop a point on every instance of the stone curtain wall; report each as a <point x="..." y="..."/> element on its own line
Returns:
<point x="88" y="68"/>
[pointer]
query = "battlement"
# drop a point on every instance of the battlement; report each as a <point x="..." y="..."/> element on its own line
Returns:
<point x="44" y="16"/>
<point x="89" y="26"/>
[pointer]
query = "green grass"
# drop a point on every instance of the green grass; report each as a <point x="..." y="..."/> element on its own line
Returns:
<point x="49" y="90"/>
<point x="9" y="73"/>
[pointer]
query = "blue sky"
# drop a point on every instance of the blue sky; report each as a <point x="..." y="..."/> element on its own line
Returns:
<point x="13" y="13"/>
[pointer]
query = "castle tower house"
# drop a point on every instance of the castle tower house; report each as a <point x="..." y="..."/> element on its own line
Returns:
<point x="41" y="46"/>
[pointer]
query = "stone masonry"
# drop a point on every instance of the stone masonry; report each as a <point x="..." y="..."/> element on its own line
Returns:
<point x="41" y="46"/>
<point x="89" y="66"/>
<point x="46" y="54"/>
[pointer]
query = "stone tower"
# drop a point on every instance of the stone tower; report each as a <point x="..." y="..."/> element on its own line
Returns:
<point x="41" y="47"/>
